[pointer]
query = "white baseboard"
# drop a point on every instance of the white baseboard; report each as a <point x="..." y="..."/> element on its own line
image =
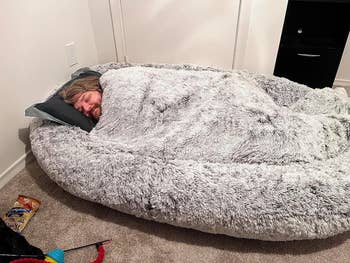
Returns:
<point x="15" y="168"/>
<point x="342" y="83"/>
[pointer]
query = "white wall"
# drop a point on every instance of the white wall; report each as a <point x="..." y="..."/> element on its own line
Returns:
<point x="148" y="33"/>
<point x="260" y="28"/>
<point x="103" y="30"/>
<point x="263" y="37"/>
<point x="192" y="31"/>
<point x="33" y="61"/>
<point x="343" y="74"/>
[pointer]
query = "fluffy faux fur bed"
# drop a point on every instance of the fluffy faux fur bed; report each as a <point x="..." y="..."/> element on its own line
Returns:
<point x="223" y="152"/>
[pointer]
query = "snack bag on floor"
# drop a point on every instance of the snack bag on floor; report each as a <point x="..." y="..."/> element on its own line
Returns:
<point x="21" y="212"/>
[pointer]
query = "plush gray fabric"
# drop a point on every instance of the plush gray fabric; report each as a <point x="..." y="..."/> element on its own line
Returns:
<point x="234" y="153"/>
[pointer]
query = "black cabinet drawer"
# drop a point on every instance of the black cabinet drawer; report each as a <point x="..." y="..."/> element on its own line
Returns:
<point x="313" y="39"/>
<point x="314" y="67"/>
<point x="317" y="24"/>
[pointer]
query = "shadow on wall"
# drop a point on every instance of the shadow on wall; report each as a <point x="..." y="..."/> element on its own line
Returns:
<point x="23" y="135"/>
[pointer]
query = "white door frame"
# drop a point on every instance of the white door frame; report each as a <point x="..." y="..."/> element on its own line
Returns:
<point x="242" y="29"/>
<point x="117" y="18"/>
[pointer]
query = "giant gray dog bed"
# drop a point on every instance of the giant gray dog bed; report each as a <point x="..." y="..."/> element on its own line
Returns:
<point x="234" y="153"/>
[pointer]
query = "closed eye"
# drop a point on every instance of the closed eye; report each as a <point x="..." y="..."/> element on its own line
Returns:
<point x="77" y="106"/>
<point x="78" y="103"/>
<point x="87" y="98"/>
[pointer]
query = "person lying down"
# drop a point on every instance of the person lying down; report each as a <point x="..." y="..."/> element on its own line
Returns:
<point x="85" y="95"/>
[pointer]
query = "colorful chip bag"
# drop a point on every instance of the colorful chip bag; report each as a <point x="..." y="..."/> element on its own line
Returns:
<point x="21" y="212"/>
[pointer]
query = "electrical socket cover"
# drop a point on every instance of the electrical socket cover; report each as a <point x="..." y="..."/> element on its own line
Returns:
<point x="71" y="54"/>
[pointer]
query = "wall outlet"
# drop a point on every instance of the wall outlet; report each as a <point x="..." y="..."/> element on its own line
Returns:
<point x="71" y="54"/>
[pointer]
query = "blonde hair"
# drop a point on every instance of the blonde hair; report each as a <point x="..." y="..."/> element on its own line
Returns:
<point x="80" y="86"/>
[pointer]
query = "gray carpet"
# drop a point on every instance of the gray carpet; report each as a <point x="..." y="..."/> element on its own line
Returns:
<point x="65" y="221"/>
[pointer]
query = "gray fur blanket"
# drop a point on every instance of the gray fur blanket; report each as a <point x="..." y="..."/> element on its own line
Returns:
<point x="224" y="152"/>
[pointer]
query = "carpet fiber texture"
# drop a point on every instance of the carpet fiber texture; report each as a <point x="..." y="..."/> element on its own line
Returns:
<point x="233" y="153"/>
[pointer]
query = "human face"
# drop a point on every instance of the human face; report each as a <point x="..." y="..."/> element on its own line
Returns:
<point x="89" y="103"/>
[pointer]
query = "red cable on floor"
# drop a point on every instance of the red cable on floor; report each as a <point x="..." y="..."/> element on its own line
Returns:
<point x="101" y="254"/>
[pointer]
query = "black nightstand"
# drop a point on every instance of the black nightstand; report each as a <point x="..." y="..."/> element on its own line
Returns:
<point x="313" y="40"/>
